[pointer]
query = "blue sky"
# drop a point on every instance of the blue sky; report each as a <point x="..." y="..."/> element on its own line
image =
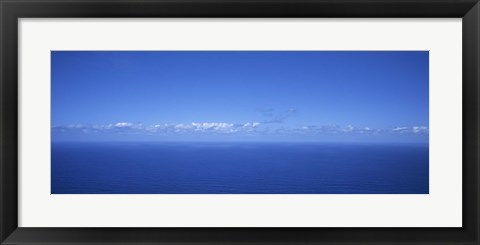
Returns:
<point x="240" y="96"/>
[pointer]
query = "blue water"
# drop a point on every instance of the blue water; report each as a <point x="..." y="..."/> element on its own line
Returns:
<point x="239" y="168"/>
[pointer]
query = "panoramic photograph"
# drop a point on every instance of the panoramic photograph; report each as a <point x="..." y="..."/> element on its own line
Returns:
<point x="239" y="122"/>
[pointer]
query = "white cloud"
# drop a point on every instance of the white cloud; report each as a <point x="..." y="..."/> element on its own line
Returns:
<point x="75" y="126"/>
<point x="214" y="126"/>
<point x="183" y="126"/>
<point x="98" y="127"/>
<point x="400" y="129"/>
<point x="410" y="130"/>
<point x="420" y="129"/>
<point x="123" y="125"/>
<point x="349" y="128"/>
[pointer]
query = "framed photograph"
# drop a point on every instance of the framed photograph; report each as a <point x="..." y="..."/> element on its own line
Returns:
<point x="253" y="122"/>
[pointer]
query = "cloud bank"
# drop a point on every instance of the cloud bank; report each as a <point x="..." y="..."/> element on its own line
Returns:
<point x="247" y="128"/>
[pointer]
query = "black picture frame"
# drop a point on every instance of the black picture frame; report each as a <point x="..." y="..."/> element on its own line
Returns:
<point x="12" y="10"/>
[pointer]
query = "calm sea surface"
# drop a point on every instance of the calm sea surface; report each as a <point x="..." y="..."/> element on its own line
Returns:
<point x="239" y="168"/>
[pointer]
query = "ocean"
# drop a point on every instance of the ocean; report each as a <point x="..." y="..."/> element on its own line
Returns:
<point x="238" y="168"/>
